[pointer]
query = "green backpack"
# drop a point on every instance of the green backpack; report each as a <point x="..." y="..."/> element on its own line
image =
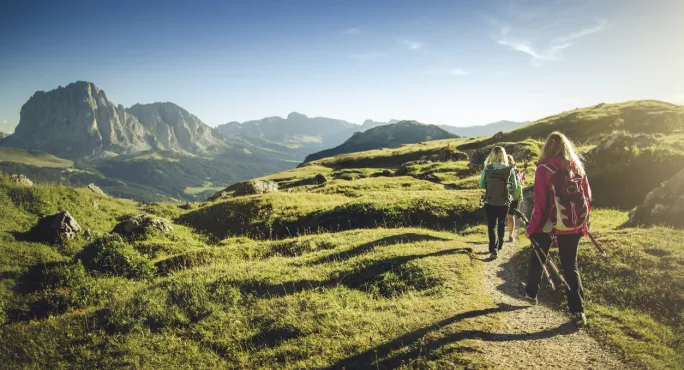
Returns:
<point x="497" y="192"/>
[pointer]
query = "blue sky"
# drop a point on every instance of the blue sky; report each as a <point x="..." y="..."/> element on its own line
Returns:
<point x="443" y="62"/>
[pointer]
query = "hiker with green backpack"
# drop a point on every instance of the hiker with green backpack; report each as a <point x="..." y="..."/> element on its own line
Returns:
<point x="499" y="181"/>
<point x="560" y="218"/>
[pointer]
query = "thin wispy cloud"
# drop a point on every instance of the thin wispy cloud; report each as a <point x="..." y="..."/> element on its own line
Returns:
<point x="553" y="50"/>
<point x="352" y="31"/>
<point x="372" y="55"/>
<point x="413" y="45"/>
<point x="601" y="25"/>
<point x="550" y="53"/>
<point x="543" y="33"/>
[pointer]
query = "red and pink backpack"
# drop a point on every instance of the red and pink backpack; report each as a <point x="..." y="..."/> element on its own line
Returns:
<point x="570" y="208"/>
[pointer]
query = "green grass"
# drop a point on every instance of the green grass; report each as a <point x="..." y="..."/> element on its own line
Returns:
<point x="634" y="297"/>
<point x="288" y="214"/>
<point x="33" y="158"/>
<point x="311" y="301"/>
<point x="360" y="272"/>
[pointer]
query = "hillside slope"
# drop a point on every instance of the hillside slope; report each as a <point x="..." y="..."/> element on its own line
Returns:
<point x="364" y="271"/>
<point x="387" y="136"/>
<point x="591" y="123"/>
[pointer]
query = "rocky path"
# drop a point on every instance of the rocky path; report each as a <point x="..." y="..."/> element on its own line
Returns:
<point x="537" y="337"/>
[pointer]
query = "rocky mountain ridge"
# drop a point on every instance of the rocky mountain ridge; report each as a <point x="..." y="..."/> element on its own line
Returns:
<point x="79" y="121"/>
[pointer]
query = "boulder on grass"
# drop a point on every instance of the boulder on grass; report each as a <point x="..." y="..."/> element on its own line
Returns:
<point x="138" y="226"/>
<point x="21" y="180"/>
<point x="55" y="228"/>
<point x="320" y="179"/>
<point x="451" y="155"/>
<point x="521" y="152"/>
<point x="254" y="187"/>
<point x="96" y="189"/>
<point x="615" y="147"/>
<point x="663" y="205"/>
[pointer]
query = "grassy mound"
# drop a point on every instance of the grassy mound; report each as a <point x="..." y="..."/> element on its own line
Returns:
<point x="281" y="215"/>
<point x="110" y="255"/>
<point x="622" y="180"/>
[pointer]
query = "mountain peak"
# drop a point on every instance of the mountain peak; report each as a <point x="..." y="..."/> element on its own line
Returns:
<point x="79" y="121"/>
<point x="296" y="116"/>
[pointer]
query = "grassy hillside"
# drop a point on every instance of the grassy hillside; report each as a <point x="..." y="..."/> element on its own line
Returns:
<point x="367" y="270"/>
<point x="387" y="136"/>
<point x="174" y="173"/>
<point x="149" y="176"/>
<point x="590" y="123"/>
<point x="33" y="158"/>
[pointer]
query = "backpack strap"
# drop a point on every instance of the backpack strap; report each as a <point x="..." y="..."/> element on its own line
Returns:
<point x="551" y="168"/>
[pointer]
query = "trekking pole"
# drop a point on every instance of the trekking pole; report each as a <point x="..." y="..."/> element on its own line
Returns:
<point x="536" y="249"/>
<point x="543" y="265"/>
<point x="597" y="245"/>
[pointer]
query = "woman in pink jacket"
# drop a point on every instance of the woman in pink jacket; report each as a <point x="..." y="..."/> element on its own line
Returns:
<point x="558" y="155"/>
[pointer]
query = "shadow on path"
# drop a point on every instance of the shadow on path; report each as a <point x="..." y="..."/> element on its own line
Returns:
<point x="369" y="358"/>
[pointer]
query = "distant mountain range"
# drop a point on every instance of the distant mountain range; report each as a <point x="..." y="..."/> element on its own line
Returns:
<point x="302" y="134"/>
<point x="306" y="135"/>
<point x="484" y="130"/>
<point x="161" y="151"/>
<point x="386" y="136"/>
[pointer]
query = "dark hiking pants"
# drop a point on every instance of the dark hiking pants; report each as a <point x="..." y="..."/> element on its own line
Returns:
<point x="496" y="219"/>
<point x="567" y="245"/>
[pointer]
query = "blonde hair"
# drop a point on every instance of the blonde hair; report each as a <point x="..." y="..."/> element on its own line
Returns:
<point x="511" y="160"/>
<point x="498" y="154"/>
<point x="558" y="145"/>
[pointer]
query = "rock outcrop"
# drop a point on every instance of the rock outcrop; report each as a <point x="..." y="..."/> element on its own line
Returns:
<point x="320" y="179"/>
<point x="254" y="187"/>
<point x="521" y="152"/>
<point x="451" y="155"/>
<point x="21" y="180"/>
<point x="249" y="187"/>
<point x="79" y="121"/>
<point x="136" y="227"/>
<point x="613" y="148"/>
<point x="96" y="189"/>
<point x="663" y="205"/>
<point x="176" y="129"/>
<point x="55" y="228"/>
<point x="76" y="121"/>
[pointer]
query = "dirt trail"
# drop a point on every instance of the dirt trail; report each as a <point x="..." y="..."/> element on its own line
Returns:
<point x="538" y="337"/>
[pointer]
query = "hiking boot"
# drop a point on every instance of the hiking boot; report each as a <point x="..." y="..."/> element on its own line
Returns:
<point x="510" y="239"/>
<point x="579" y="319"/>
<point x="494" y="255"/>
<point x="522" y="289"/>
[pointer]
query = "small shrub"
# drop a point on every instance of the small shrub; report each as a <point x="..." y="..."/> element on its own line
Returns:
<point x="112" y="256"/>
